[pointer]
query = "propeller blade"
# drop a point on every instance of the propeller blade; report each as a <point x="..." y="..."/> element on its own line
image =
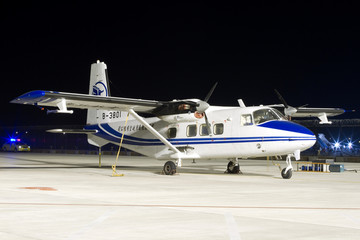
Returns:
<point x="204" y="106"/>
<point x="303" y="106"/>
<point x="210" y="93"/>
<point x="207" y="124"/>
<point x="281" y="98"/>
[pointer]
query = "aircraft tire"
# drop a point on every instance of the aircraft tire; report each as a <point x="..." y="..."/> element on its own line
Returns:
<point x="287" y="175"/>
<point x="169" y="168"/>
<point x="232" y="168"/>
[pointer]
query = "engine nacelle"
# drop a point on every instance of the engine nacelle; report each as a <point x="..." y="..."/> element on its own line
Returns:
<point x="185" y="117"/>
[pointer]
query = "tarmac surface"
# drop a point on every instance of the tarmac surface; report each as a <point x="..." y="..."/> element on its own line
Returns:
<point x="48" y="196"/>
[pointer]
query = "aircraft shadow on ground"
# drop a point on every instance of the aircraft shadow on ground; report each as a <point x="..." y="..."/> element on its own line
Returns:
<point x="217" y="170"/>
<point x="27" y="163"/>
<point x="46" y="164"/>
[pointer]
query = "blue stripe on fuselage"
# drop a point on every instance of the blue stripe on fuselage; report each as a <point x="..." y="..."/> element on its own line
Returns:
<point x="286" y="126"/>
<point x="110" y="134"/>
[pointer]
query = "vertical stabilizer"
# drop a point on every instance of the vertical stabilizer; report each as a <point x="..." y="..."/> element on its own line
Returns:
<point x="99" y="86"/>
<point x="98" y="80"/>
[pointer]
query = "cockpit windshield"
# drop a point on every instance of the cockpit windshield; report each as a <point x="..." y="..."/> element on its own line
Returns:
<point x="279" y="114"/>
<point x="266" y="114"/>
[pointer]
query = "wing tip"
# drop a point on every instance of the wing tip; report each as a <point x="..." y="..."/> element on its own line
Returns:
<point x="29" y="97"/>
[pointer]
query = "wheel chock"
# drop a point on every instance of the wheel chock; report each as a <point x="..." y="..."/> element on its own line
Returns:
<point x="114" y="173"/>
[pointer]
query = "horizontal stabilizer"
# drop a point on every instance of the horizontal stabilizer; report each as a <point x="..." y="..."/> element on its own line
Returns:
<point x="73" y="131"/>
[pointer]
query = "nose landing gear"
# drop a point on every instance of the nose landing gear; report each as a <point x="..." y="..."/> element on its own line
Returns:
<point x="286" y="173"/>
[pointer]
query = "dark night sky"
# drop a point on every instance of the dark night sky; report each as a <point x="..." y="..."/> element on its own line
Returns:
<point x="309" y="52"/>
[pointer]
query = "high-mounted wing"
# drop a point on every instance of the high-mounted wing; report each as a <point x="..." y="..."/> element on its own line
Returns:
<point x="321" y="113"/>
<point x="84" y="101"/>
<point x="314" y="112"/>
<point x="63" y="101"/>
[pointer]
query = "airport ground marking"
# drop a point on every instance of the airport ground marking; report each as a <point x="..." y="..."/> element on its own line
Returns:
<point x="178" y="206"/>
<point x="39" y="188"/>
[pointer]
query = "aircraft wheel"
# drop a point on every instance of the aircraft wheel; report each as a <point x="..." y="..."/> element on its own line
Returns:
<point x="169" y="168"/>
<point x="287" y="175"/>
<point x="232" y="168"/>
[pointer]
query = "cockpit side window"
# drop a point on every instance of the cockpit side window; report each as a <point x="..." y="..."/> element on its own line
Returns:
<point x="264" y="115"/>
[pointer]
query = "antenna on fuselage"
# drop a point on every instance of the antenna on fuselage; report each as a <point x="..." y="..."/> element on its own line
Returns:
<point x="241" y="103"/>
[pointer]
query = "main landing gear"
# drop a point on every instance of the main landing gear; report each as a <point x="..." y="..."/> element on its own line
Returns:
<point x="233" y="167"/>
<point x="169" y="168"/>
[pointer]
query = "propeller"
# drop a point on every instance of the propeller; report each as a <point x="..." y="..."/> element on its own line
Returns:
<point x="186" y="105"/>
<point x="202" y="106"/>
<point x="289" y="110"/>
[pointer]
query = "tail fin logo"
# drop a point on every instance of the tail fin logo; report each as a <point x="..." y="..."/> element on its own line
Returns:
<point x="99" y="88"/>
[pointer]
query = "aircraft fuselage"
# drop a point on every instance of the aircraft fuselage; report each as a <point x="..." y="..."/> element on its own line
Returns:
<point x="235" y="133"/>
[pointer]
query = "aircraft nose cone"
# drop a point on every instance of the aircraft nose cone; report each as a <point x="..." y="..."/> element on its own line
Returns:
<point x="310" y="142"/>
<point x="308" y="139"/>
<point x="297" y="132"/>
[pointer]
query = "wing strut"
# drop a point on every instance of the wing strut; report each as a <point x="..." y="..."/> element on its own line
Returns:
<point x="158" y="135"/>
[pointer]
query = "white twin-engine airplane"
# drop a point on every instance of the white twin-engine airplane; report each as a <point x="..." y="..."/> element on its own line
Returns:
<point x="180" y="129"/>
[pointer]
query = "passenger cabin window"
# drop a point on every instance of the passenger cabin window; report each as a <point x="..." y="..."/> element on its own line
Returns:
<point x="264" y="115"/>
<point x="218" y="129"/>
<point x="246" y="120"/>
<point x="204" y="131"/>
<point x="191" y="130"/>
<point x="171" y="133"/>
